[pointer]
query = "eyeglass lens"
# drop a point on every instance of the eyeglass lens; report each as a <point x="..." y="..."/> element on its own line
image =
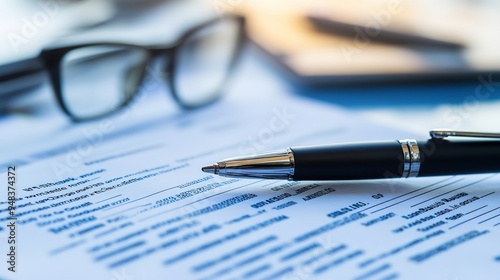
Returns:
<point x="99" y="79"/>
<point x="203" y="61"/>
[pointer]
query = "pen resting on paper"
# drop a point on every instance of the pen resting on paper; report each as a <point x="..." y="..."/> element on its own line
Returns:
<point x="367" y="160"/>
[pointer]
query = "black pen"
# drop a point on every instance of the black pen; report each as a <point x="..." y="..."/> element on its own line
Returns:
<point x="372" y="160"/>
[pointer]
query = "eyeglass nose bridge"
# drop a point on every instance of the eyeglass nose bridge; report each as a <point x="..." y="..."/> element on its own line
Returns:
<point x="158" y="69"/>
<point x="165" y="58"/>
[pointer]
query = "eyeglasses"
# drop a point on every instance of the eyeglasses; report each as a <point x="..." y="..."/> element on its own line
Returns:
<point x="96" y="79"/>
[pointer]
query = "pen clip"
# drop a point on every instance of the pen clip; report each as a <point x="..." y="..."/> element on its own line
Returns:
<point x="443" y="133"/>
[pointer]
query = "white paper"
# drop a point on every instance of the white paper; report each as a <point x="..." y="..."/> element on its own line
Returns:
<point x="123" y="205"/>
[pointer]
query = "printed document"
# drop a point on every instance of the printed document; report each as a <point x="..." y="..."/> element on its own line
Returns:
<point x="121" y="205"/>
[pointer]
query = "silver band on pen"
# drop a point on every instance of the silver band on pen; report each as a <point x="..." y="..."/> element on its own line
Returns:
<point x="411" y="158"/>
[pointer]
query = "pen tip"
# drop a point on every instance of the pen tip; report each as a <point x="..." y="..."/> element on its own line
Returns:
<point x="210" y="169"/>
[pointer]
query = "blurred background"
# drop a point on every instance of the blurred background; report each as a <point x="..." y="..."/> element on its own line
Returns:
<point x="419" y="64"/>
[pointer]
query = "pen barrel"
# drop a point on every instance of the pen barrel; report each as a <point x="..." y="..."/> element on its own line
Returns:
<point x="443" y="157"/>
<point x="352" y="161"/>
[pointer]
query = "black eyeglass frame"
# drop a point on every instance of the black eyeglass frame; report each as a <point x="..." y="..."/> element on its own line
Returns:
<point x="52" y="59"/>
